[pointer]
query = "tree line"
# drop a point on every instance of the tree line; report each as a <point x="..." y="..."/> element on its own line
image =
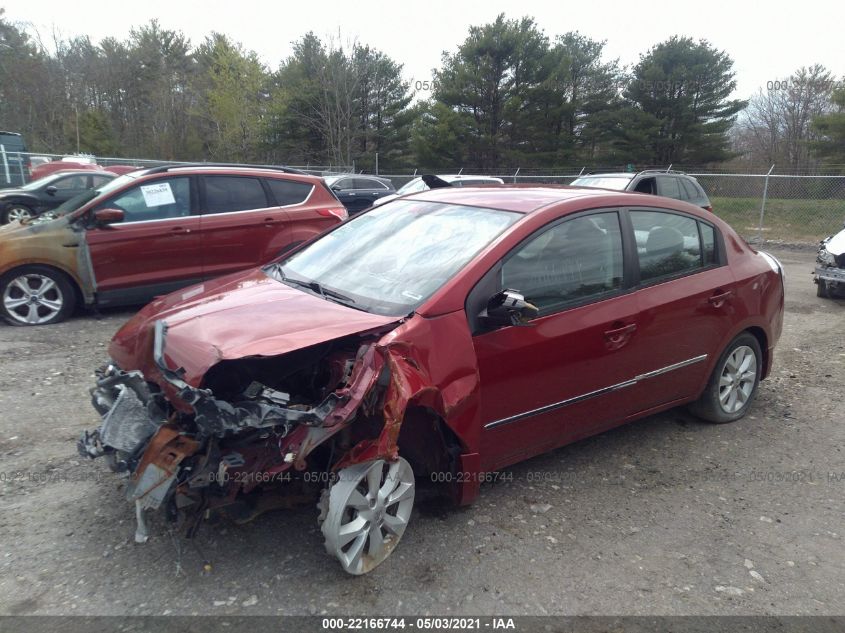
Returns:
<point x="508" y="95"/>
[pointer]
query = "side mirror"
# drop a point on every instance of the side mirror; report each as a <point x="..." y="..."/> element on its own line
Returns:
<point x="51" y="190"/>
<point x="108" y="216"/>
<point x="508" y="307"/>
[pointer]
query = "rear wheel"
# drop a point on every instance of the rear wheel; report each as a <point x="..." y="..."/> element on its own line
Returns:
<point x="35" y="295"/>
<point x="821" y="289"/>
<point x="17" y="212"/>
<point x="733" y="383"/>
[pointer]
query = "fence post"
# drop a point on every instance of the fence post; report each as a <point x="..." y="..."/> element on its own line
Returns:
<point x="376" y="163"/>
<point x="515" y="173"/>
<point x="763" y="207"/>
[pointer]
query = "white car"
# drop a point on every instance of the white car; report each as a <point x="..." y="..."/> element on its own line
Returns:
<point x="424" y="183"/>
<point x="830" y="265"/>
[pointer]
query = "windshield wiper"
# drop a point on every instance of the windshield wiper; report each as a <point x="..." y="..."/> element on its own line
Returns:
<point x="315" y="286"/>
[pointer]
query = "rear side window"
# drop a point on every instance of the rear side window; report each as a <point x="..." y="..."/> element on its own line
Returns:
<point x="99" y="181"/>
<point x="708" y="244"/>
<point x="226" y="194"/>
<point x="667" y="244"/>
<point x="288" y="192"/>
<point x="692" y="190"/>
<point x="71" y="182"/>
<point x="668" y="186"/>
<point x="368" y="183"/>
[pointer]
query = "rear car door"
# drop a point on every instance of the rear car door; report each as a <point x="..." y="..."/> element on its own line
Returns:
<point x="155" y="249"/>
<point x="238" y="223"/>
<point x="310" y="206"/>
<point x="561" y="376"/>
<point x="346" y="191"/>
<point x="369" y="190"/>
<point x="686" y="293"/>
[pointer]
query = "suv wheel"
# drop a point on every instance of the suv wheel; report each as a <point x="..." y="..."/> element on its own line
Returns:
<point x="35" y="295"/>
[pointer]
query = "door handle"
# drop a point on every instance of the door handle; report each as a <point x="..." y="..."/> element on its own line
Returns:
<point x="617" y="337"/>
<point x="718" y="298"/>
<point x="270" y="221"/>
<point x="179" y="230"/>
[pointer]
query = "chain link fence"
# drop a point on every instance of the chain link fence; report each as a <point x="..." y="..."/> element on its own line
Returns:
<point x="760" y="207"/>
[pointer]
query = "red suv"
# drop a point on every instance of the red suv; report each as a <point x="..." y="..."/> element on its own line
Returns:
<point x="151" y="232"/>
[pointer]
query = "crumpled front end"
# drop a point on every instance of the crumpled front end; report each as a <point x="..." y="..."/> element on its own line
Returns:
<point x="829" y="274"/>
<point x="258" y="433"/>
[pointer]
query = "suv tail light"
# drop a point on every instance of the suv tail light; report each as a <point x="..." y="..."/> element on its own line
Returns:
<point x="709" y="208"/>
<point x="337" y="212"/>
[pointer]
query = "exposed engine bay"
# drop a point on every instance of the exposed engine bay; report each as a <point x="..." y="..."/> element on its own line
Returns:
<point x="829" y="274"/>
<point x="268" y="432"/>
<point x="254" y="421"/>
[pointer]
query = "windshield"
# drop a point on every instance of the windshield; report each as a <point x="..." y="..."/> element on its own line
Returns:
<point x="391" y="259"/>
<point x="415" y="186"/>
<point x="605" y="182"/>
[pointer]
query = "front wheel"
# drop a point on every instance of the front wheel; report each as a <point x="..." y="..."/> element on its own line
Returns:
<point x="733" y="384"/>
<point x="17" y="212"/>
<point x="35" y="295"/>
<point x="369" y="507"/>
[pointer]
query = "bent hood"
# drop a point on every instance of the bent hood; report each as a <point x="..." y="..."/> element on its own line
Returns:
<point x="246" y="314"/>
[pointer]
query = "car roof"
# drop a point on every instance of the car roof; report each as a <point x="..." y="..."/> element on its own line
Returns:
<point x="519" y="198"/>
<point x="527" y="198"/>
<point x="609" y="175"/>
<point x="227" y="169"/>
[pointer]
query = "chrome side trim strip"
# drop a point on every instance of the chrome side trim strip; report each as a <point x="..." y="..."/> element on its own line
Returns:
<point x="597" y="392"/>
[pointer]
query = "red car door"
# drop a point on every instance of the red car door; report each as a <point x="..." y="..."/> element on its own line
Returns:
<point x="238" y="224"/>
<point x="154" y="249"/>
<point x="685" y="303"/>
<point x="562" y="375"/>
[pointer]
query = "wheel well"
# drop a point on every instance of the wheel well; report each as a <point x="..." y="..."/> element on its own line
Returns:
<point x="79" y="299"/>
<point x="760" y="335"/>
<point x="427" y="442"/>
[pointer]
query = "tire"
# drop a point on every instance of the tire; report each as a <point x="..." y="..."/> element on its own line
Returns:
<point x="23" y="302"/>
<point x="17" y="212"/>
<point x="821" y="289"/>
<point x="731" y="389"/>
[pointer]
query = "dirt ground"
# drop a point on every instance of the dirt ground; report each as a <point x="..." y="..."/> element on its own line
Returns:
<point x="664" y="516"/>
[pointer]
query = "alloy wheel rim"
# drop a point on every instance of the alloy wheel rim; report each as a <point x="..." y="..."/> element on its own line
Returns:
<point x="737" y="380"/>
<point x="33" y="299"/>
<point x="369" y="508"/>
<point x="18" y="213"/>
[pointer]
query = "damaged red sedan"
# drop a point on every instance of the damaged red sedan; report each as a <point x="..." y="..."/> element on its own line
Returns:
<point x="437" y="338"/>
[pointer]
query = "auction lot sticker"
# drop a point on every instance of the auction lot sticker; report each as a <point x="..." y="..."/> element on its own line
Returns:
<point x="158" y="195"/>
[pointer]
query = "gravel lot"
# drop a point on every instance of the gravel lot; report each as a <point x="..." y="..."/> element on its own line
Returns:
<point x="665" y="516"/>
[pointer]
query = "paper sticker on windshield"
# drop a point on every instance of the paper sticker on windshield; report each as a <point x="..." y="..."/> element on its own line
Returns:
<point x="157" y="195"/>
<point x="411" y="295"/>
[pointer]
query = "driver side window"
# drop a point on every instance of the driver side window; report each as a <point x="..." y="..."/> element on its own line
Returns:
<point x="157" y="200"/>
<point x="574" y="261"/>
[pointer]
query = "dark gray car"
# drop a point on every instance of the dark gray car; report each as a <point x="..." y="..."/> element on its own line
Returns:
<point x="358" y="192"/>
<point x="670" y="184"/>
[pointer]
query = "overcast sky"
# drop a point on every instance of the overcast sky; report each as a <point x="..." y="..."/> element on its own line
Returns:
<point x="766" y="40"/>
